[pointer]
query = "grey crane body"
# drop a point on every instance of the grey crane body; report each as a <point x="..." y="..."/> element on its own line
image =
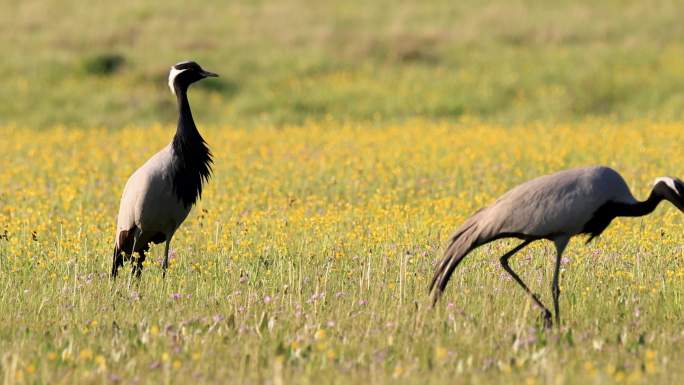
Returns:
<point x="149" y="203"/>
<point x="548" y="206"/>
<point x="159" y="195"/>
<point x="555" y="207"/>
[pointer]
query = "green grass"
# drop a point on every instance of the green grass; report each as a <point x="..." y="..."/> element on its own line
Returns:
<point x="308" y="259"/>
<point x="290" y="61"/>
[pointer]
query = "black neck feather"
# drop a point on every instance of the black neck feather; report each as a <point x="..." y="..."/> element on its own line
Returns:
<point x="192" y="163"/>
<point x="637" y="209"/>
<point x="611" y="210"/>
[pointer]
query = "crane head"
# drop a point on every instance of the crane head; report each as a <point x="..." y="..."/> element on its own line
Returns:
<point x="671" y="189"/>
<point x="183" y="74"/>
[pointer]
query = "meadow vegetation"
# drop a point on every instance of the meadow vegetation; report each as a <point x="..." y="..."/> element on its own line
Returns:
<point x="308" y="259"/>
<point x="286" y="62"/>
<point x="350" y="139"/>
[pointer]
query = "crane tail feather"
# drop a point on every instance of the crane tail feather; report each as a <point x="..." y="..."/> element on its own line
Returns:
<point x="117" y="261"/>
<point x="122" y="243"/>
<point x="462" y="242"/>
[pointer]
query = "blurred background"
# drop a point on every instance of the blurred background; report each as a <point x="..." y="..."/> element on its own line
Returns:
<point x="105" y="63"/>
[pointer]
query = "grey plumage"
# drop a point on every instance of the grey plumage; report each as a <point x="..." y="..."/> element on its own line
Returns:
<point x="554" y="207"/>
<point x="159" y="195"/>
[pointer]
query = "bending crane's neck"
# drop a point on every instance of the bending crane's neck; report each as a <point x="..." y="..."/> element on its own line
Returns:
<point x="639" y="209"/>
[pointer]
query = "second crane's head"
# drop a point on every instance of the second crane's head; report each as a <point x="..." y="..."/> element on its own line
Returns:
<point x="183" y="74"/>
<point x="671" y="189"/>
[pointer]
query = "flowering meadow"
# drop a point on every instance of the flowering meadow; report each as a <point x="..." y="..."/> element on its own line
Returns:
<point x="308" y="259"/>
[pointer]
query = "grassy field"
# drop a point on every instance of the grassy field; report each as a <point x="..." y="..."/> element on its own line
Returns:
<point x="307" y="261"/>
<point x="350" y="139"/>
<point x="289" y="61"/>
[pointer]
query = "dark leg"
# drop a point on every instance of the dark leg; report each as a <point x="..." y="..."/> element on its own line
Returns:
<point x="138" y="265"/>
<point x="165" y="263"/>
<point x="504" y="264"/>
<point x="136" y="236"/>
<point x="555" y="291"/>
<point x="555" y="288"/>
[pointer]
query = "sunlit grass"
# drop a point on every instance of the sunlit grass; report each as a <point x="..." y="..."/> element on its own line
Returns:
<point x="308" y="258"/>
<point x="289" y="61"/>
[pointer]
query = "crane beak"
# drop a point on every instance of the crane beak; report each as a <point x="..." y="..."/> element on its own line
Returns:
<point x="208" y="74"/>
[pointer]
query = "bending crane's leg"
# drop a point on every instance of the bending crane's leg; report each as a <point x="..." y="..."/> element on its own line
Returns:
<point x="555" y="288"/>
<point x="165" y="263"/>
<point x="504" y="264"/>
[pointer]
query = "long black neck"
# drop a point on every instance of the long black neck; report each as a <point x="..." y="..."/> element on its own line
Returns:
<point x="192" y="158"/>
<point x="186" y="124"/>
<point x="610" y="210"/>
<point x="638" y="209"/>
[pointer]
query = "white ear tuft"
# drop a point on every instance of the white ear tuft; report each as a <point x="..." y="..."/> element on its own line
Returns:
<point x="172" y="77"/>
<point x="668" y="181"/>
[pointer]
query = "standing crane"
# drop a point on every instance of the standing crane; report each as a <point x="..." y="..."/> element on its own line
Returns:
<point x="554" y="207"/>
<point x="159" y="195"/>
